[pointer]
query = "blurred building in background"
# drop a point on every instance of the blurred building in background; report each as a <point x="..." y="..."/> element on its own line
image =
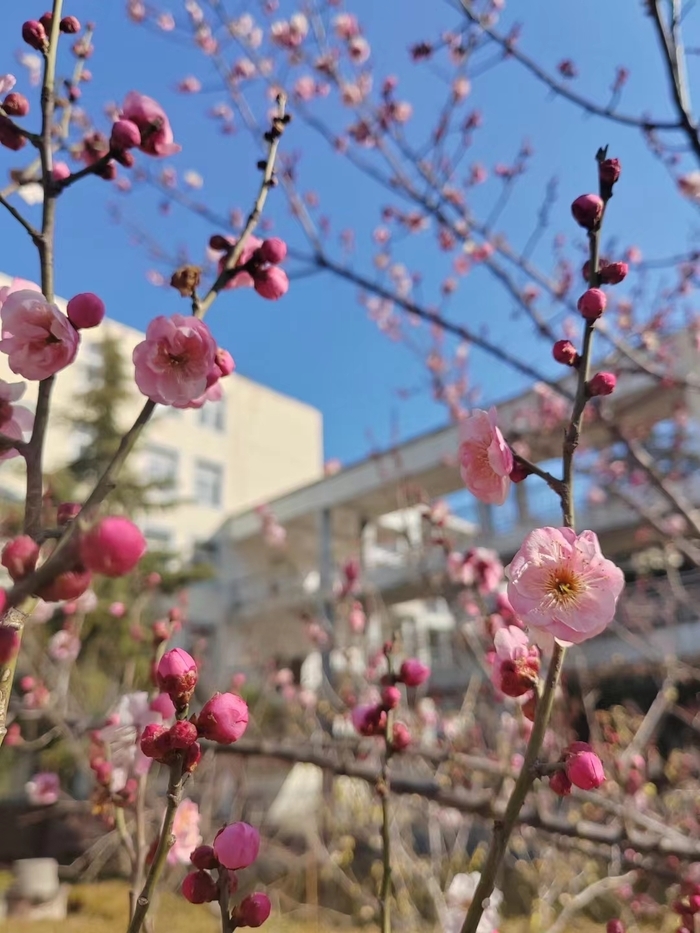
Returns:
<point x="258" y="605"/>
<point x="253" y="445"/>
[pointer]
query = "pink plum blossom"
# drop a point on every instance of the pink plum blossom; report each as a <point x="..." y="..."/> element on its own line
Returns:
<point x="39" y="340"/>
<point x="16" y="421"/>
<point x="43" y="789"/>
<point x="186" y="833"/>
<point x="64" y="646"/>
<point x="152" y="121"/>
<point x="17" y="285"/>
<point x="559" y="582"/>
<point x="485" y="459"/>
<point x="173" y="362"/>
<point x="7" y="82"/>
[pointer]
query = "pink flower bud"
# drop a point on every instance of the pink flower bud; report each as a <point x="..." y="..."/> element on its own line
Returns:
<point x="164" y="705"/>
<point x="117" y="610"/>
<point x="66" y="512"/>
<point x="413" y="673"/>
<point x="592" y="304"/>
<point x="60" y="171"/>
<point x="224" y="361"/>
<point x="176" y="675"/>
<point x="223" y="718"/>
<point x="9" y="643"/>
<point x="199" y="888"/>
<point x="369" y="720"/>
<point x="609" y="171"/>
<point x="68" y="585"/>
<point x="113" y="546"/>
<point x="271" y="283"/>
<point x="612" y="273"/>
<point x="103" y="772"/>
<point x="602" y="384"/>
<point x="400" y="737"/>
<point x="153" y="579"/>
<point x="85" y="310"/>
<point x="587" y="210"/>
<point x="192" y="758"/>
<point x="182" y="734"/>
<point x="10" y="136"/>
<point x="560" y="783"/>
<point x="161" y="631"/>
<point x="272" y="250"/>
<point x="16" y="105"/>
<point x="151" y="743"/>
<point x="34" y="34"/>
<point x="125" y="135"/>
<point x="615" y="926"/>
<point x="70" y="25"/>
<point x="19" y="556"/>
<point x="391" y="697"/>
<point x="253" y="910"/>
<point x="583" y="767"/>
<point x="519" y="472"/>
<point x="46" y="19"/>
<point x="203" y="857"/>
<point x="237" y="845"/>
<point x="565" y="352"/>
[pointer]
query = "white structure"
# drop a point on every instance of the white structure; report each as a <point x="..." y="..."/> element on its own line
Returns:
<point x="254" y="445"/>
<point x="254" y="608"/>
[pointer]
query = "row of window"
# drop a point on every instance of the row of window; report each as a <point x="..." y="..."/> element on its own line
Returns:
<point x="162" y="468"/>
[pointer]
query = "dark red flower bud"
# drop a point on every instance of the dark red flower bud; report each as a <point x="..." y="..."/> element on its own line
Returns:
<point x="70" y="25"/>
<point x="560" y="783"/>
<point x="587" y="210"/>
<point x="602" y="384"/>
<point x="182" y="734"/>
<point x="203" y="857"/>
<point x="34" y="34"/>
<point x="612" y="273"/>
<point x="199" y="888"/>
<point x="192" y="757"/>
<point x="15" y="105"/>
<point x="565" y="352"/>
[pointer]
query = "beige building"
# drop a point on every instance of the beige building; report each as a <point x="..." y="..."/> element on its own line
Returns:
<point x="254" y="445"/>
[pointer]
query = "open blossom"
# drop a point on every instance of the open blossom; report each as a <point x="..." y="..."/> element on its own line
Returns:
<point x="43" y="789"/>
<point x="186" y="832"/>
<point x="173" y="362"/>
<point x="153" y="123"/>
<point x="15" y="420"/>
<point x="485" y="459"/>
<point x="516" y="663"/>
<point x="560" y="582"/>
<point x="39" y="340"/>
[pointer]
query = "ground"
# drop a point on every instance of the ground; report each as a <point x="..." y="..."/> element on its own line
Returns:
<point x="101" y="908"/>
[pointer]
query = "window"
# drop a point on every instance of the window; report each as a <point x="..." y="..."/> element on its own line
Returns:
<point x="208" y="483"/>
<point x="212" y="415"/>
<point x="161" y="466"/>
<point x="159" y="539"/>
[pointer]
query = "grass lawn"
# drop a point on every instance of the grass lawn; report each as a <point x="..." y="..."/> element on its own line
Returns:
<point x="101" y="907"/>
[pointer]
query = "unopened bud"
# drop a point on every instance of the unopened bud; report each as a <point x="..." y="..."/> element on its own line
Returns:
<point x="612" y="273"/>
<point x="34" y="34"/>
<point x="565" y="352"/>
<point x="587" y="210"/>
<point x="602" y="384"/>
<point x="69" y="25"/>
<point x="15" y="105"/>
<point x="592" y="304"/>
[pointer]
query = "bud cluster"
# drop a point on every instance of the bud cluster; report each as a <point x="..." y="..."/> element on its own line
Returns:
<point x="258" y="266"/>
<point x="235" y="847"/>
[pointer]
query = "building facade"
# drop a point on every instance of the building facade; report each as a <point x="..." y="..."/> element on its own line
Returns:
<point x="253" y="445"/>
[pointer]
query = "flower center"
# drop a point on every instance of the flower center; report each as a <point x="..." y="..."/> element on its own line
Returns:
<point x="564" y="586"/>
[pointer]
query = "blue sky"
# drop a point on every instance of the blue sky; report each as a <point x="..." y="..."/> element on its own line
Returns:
<point x="317" y="344"/>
